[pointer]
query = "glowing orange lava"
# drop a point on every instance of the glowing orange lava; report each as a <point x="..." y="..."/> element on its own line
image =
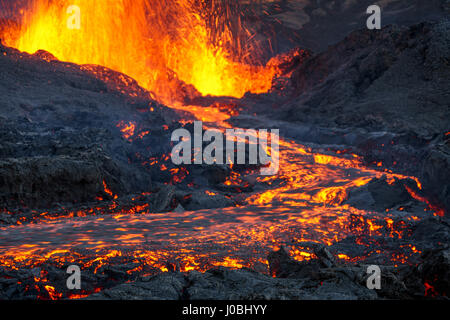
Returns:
<point x="155" y="42"/>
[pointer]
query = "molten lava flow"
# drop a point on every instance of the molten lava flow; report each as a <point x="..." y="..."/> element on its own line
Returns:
<point x="156" y="42"/>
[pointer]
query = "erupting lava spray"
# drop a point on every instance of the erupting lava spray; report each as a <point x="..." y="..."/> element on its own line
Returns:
<point x="158" y="42"/>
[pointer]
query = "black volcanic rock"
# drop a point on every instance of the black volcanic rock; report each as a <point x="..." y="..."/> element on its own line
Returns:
<point x="435" y="270"/>
<point x="436" y="173"/>
<point x="379" y="195"/>
<point x="318" y="24"/>
<point x="394" y="79"/>
<point x="60" y="137"/>
<point x="390" y="85"/>
<point x="226" y="284"/>
<point x="291" y="282"/>
<point x="42" y="182"/>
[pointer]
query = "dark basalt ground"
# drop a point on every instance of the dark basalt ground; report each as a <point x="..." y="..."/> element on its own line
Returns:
<point x="316" y="25"/>
<point x="385" y="93"/>
<point x="320" y="279"/>
<point x="61" y="140"/>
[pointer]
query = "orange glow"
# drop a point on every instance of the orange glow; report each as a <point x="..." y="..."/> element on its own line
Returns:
<point x="230" y="263"/>
<point x="430" y="291"/>
<point x="327" y="159"/>
<point x="179" y="40"/>
<point x="127" y="129"/>
<point x="75" y="296"/>
<point x="108" y="191"/>
<point x="300" y="255"/>
<point x="52" y="293"/>
<point x="210" y="114"/>
<point x="437" y="211"/>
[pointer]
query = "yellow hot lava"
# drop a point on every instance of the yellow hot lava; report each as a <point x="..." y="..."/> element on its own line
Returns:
<point x="156" y="42"/>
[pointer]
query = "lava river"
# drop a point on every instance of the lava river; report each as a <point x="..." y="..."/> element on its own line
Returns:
<point x="303" y="205"/>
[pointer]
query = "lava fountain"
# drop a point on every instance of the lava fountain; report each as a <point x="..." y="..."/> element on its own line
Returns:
<point x="157" y="42"/>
